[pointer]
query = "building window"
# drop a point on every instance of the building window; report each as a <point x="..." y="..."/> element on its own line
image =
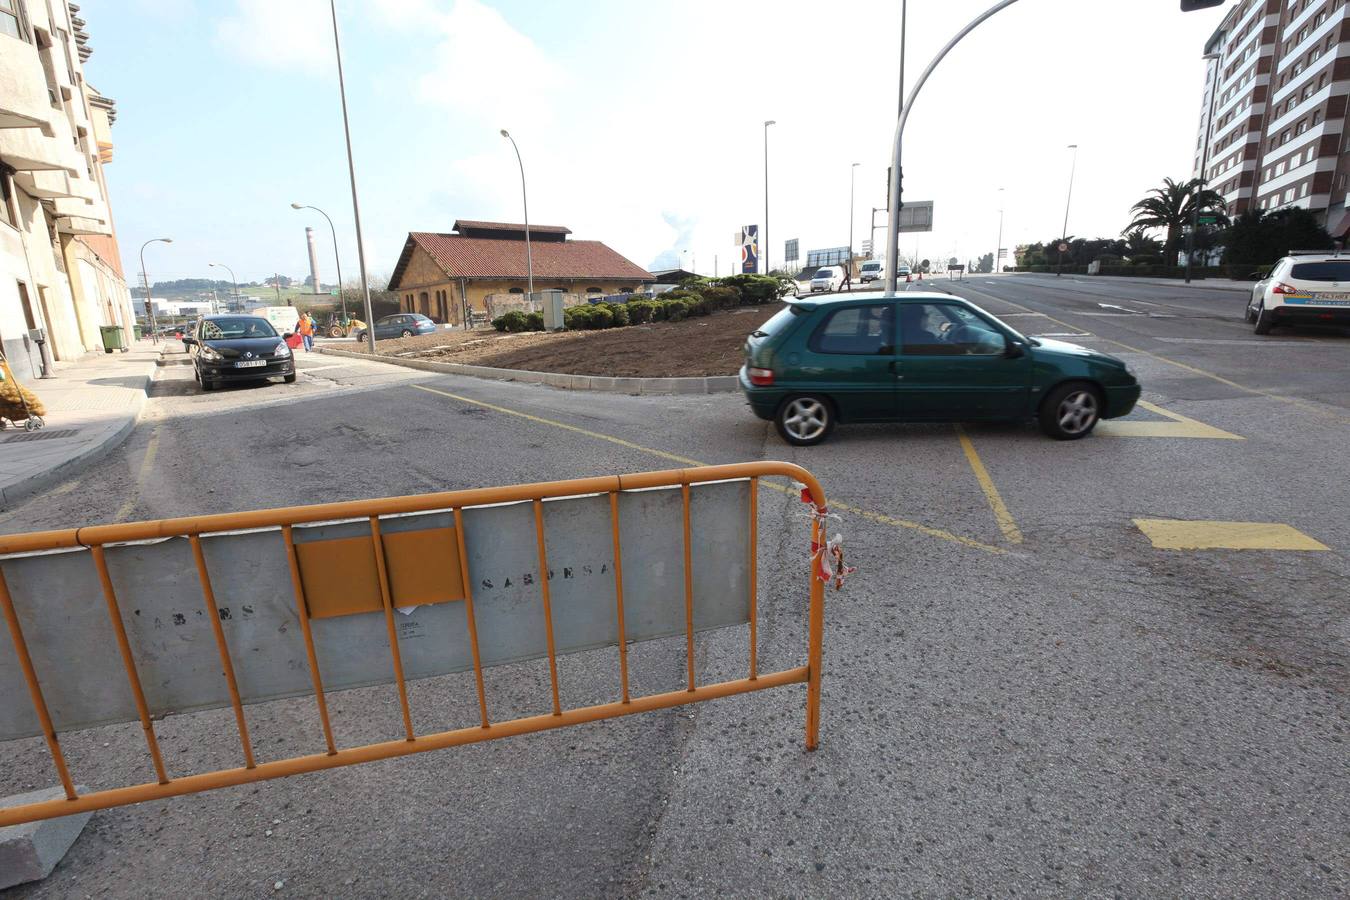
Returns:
<point x="516" y="291"/>
<point x="595" y="290"/>
<point x="1317" y="117"/>
<point x="1288" y="195"/>
<point x="1302" y="126"/>
<point x="8" y="214"/>
<point x="1303" y="189"/>
<point x="11" y="19"/>
<point x="1322" y="81"/>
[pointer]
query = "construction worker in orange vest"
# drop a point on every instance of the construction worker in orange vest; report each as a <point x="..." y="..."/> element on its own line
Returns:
<point x="305" y="327"/>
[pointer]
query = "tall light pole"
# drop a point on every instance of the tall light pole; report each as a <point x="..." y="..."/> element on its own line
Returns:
<point x="234" y="281"/>
<point x="145" y="277"/>
<point x="351" y="172"/>
<point x="337" y="257"/>
<point x="525" y="200"/>
<point x="1204" y="175"/>
<point x="998" y="245"/>
<point x="1064" y="235"/>
<point x="765" y="253"/>
<point x="848" y="271"/>
<point x="897" y="173"/>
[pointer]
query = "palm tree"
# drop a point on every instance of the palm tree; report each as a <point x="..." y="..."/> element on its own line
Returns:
<point x="1172" y="206"/>
<point x="1138" y="243"/>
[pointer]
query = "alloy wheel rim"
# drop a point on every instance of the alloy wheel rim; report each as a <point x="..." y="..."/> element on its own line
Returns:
<point x="1078" y="412"/>
<point x="805" y="419"/>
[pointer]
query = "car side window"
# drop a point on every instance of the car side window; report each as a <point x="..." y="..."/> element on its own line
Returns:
<point x="943" y="329"/>
<point x="856" y="330"/>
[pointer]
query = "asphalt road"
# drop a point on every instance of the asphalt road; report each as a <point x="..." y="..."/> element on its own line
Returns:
<point x="1022" y="694"/>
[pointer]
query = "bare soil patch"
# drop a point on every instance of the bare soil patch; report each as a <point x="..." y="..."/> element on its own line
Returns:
<point x="708" y="345"/>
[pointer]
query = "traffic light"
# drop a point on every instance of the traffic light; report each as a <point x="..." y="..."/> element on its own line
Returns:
<point x="1192" y="5"/>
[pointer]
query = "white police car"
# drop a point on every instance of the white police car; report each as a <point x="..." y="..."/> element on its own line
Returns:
<point x="1302" y="289"/>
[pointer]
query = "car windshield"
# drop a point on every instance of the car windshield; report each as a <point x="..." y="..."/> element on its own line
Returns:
<point x="1330" y="270"/>
<point x="871" y="267"/>
<point x="824" y="273"/>
<point x="225" y="329"/>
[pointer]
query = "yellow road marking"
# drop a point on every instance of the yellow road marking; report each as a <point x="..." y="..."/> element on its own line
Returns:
<point x="1180" y="534"/>
<point x="1325" y="413"/>
<point x="1180" y="427"/>
<point x="879" y="518"/>
<point x="147" y="462"/>
<point x="1001" y="514"/>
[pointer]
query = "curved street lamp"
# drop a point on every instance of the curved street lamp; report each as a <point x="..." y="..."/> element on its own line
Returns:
<point x="145" y="277"/>
<point x="529" y="260"/>
<point x="233" y="280"/>
<point x="337" y="257"/>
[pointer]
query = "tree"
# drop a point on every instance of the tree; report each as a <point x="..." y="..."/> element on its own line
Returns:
<point x="1171" y="208"/>
<point x="986" y="263"/>
<point x="1139" y="244"/>
<point x="1259" y="239"/>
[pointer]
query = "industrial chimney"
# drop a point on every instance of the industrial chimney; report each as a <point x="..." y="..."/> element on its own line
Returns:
<point x="313" y="259"/>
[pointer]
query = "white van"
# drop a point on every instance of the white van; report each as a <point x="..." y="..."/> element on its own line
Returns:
<point x="828" y="278"/>
<point x="870" y="271"/>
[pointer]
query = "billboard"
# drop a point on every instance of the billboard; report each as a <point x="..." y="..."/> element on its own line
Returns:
<point x="750" y="249"/>
<point x="830" y="256"/>
<point x="790" y="250"/>
<point x="916" y="215"/>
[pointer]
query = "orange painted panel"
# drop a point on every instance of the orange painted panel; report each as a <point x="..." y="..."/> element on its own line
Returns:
<point x="340" y="577"/>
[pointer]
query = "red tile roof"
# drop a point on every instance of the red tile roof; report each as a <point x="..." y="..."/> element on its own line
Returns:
<point x="461" y="224"/>
<point x="463" y="257"/>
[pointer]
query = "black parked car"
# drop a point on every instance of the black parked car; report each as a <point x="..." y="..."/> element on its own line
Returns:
<point x="238" y="348"/>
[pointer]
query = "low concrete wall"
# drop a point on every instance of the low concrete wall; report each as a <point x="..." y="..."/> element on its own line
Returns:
<point x="710" y="384"/>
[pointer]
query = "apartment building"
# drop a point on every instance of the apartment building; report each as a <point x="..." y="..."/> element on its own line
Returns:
<point x="1273" y="122"/>
<point x="60" y="268"/>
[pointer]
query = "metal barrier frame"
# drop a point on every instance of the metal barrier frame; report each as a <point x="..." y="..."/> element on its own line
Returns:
<point x="95" y="537"/>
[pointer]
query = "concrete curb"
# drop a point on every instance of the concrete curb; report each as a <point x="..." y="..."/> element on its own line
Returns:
<point x="709" y="384"/>
<point x="87" y="457"/>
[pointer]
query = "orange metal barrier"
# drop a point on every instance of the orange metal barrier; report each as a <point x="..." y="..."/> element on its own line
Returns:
<point x="95" y="537"/>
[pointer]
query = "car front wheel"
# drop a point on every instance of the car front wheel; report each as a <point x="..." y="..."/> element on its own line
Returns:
<point x="1070" y="412"/>
<point x="805" y="420"/>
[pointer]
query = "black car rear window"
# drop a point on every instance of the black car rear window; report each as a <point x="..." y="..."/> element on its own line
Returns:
<point x="1331" y="270"/>
<point x="779" y="321"/>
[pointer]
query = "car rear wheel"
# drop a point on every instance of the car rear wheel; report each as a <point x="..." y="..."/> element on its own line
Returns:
<point x="805" y="420"/>
<point x="1264" y="320"/>
<point x="1071" y="411"/>
<point x="335" y="331"/>
<point x="405" y="333"/>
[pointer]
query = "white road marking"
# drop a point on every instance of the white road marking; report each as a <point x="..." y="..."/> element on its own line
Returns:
<point x="1252" y="343"/>
<point x="1065" y="334"/>
<point x="1132" y="312"/>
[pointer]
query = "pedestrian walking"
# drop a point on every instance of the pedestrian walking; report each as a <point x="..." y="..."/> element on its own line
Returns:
<point x="305" y="327"/>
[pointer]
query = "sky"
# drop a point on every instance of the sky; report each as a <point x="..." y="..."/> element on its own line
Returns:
<point x="640" y="124"/>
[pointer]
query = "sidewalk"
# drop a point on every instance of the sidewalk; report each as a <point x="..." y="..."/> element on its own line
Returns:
<point x="1213" y="284"/>
<point x="92" y="405"/>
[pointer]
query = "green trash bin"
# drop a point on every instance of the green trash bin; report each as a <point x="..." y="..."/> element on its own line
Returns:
<point x="113" y="338"/>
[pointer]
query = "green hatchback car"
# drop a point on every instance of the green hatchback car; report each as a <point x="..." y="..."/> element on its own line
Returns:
<point x="921" y="357"/>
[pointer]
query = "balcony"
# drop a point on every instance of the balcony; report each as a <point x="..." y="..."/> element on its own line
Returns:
<point x="48" y="184"/>
<point x="24" y="98"/>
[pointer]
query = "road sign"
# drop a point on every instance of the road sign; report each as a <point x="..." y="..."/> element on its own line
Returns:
<point x="916" y="215"/>
<point x="791" y="250"/>
<point x="1208" y="220"/>
<point x="1063" y="247"/>
<point x="867" y="247"/>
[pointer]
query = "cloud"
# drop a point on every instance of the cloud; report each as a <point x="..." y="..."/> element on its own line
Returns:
<point x="281" y="34"/>
<point x="485" y="68"/>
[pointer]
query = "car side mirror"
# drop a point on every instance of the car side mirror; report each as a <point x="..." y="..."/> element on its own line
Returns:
<point x="1013" y="350"/>
<point x="188" y="341"/>
<point x="288" y="334"/>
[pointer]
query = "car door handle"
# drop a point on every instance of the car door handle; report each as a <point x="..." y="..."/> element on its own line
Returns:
<point x="895" y="371"/>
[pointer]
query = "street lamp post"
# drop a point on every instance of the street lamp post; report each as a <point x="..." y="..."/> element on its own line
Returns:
<point x="145" y="278"/>
<point x="1064" y="235"/>
<point x="893" y="201"/>
<point x="233" y="280"/>
<point x="1204" y="176"/>
<point x="525" y="201"/>
<point x="351" y="172"/>
<point x="337" y="257"/>
<point x="765" y="254"/>
<point x="998" y="245"/>
<point x="848" y="271"/>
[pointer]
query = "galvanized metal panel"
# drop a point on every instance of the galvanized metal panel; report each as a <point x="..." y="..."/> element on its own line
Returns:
<point x="65" y="620"/>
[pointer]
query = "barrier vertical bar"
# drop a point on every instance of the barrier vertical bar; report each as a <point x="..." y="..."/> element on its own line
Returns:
<point x="548" y="608"/>
<point x="754" y="577"/>
<point x="688" y="587"/>
<point x="815" y="639"/>
<point x="35" y="688"/>
<point x="227" y="667"/>
<point x="468" y="616"/>
<point x="618" y="593"/>
<point x="120" y="631"/>
<point x="381" y="566"/>
<point x="303" y="611"/>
